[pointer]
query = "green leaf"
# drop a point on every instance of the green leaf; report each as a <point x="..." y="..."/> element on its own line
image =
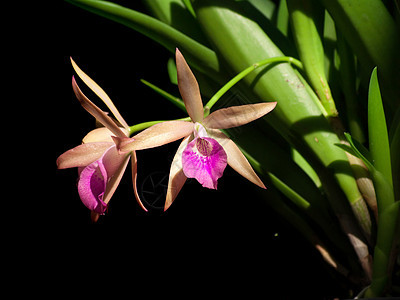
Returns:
<point x="282" y="18"/>
<point x="377" y="130"/>
<point x="172" y="73"/>
<point x="304" y="17"/>
<point x="388" y="209"/>
<point x="189" y="7"/>
<point x="347" y="78"/>
<point x="265" y="7"/>
<point x="177" y="14"/>
<point x="200" y="56"/>
<point x="371" y="32"/>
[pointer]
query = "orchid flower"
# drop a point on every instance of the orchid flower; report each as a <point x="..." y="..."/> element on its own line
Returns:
<point x="205" y="150"/>
<point x="100" y="164"/>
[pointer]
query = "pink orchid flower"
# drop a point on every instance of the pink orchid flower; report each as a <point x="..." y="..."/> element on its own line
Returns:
<point x="100" y="164"/>
<point x="205" y="150"/>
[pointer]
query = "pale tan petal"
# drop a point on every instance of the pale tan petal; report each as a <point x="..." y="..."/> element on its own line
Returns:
<point x="236" y="159"/>
<point x="155" y="136"/>
<point x="134" y="180"/>
<point x="189" y="89"/>
<point x="237" y="115"/>
<point x="101" y="135"/>
<point x="96" y="112"/>
<point x="99" y="92"/>
<point x="115" y="164"/>
<point x="82" y="155"/>
<point x="176" y="176"/>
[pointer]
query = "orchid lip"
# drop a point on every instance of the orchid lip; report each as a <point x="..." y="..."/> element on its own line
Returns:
<point x="203" y="146"/>
<point x="205" y="160"/>
<point x="92" y="185"/>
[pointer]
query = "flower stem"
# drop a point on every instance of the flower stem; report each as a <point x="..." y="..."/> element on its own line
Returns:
<point x="245" y="72"/>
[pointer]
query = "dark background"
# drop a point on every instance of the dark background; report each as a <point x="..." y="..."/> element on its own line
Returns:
<point x="230" y="233"/>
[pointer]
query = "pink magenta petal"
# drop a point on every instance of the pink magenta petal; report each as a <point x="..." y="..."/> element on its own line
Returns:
<point x="205" y="160"/>
<point x="92" y="185"/>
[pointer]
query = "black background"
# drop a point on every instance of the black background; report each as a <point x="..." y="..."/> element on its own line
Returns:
<point x="230" y="233"/>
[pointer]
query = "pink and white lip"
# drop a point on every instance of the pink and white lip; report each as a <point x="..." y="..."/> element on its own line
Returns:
<point x="204" y="159"/>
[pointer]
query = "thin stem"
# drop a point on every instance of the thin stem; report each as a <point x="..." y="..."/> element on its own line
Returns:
<point x="245" y="72"/>
<point x="174" y="100"/>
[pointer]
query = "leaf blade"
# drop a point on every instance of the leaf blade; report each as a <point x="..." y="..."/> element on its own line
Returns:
<point x="377" y="130"/>
<point x="196" y="53"/>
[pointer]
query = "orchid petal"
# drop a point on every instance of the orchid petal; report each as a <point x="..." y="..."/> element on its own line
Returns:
<point x="92" y="185"/>
<point x="102" y="134"/>
<point x="189" y="89"/>
<point x="156" y="135"/>
<point x="236" y="159"/>
<point x="237" y="115"/>
<point x="205" y="160"/>
<point x="176" y="176"/>
<point x="115" y="165"/>
<point x="99" y="92"/>
<point x="82" y="155"/>
<point x="95" y="111"/>
<point x="134" y="179"/>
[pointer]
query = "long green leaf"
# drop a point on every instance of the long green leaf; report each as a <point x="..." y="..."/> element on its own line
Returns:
<point x="388" y="209"/>
<point x="377" y="130"/>
<point x="178" y="15"/>
<point x="369" y="29"/>
<point x="202" y="57"/>
<point x="303" y="17"/>
<point x="347" y="69"/>
<point x="172" y="72"/>
<point x="373" y="36"/>
<point x="282" y="18"/>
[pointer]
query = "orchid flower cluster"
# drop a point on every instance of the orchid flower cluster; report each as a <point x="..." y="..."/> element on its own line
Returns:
<point x="203" y="153"/>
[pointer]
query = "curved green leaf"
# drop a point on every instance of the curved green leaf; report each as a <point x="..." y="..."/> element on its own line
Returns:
<point x="200" y="56"/>
<point x="179" y="15"/>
